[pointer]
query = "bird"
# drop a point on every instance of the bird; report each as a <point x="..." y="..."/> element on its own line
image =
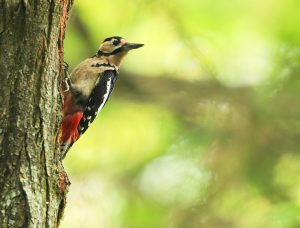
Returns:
<point x="88" y="88"/>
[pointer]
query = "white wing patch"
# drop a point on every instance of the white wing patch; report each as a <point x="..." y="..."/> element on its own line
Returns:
<point x="105" y="96"/>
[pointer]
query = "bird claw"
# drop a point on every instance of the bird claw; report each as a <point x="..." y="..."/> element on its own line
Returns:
<point x="66" y="80"/>
<point x="68" y="84"/>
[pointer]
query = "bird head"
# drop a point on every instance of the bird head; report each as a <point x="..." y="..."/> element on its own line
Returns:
<point x="115" y="48"/>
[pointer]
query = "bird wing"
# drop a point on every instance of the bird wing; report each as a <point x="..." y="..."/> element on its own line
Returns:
<point x="99" y="96"/>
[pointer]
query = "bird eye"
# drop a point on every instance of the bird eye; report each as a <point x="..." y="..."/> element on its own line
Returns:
<point x="116" y="42"/>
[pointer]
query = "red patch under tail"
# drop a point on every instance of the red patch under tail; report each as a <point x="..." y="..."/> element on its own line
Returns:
<point x="69" y="131"/>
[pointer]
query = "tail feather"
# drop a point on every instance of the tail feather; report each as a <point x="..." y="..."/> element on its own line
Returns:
<point x="64" y="148"/>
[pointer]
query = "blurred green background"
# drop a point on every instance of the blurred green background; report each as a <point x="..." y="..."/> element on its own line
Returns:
<point x="203" y="127"/>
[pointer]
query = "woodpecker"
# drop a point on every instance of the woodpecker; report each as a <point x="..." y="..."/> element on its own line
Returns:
<point x="88" y="88"/>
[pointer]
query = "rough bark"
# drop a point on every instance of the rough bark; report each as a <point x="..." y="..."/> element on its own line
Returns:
<point x="33" y="184"/>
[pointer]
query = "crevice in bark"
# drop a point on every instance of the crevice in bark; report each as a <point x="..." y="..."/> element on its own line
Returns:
<point x="26" y="208"/>
<point x="3" y="18"/>
<point x="50" y="16"/>
<point x="27" y="155"/>
<point x="25" y="199"/>
<point x="21" y="20"/>
<point x="47" y="190"/>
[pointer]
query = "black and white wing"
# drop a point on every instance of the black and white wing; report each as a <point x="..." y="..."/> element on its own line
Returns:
<point x="99" y="96"/>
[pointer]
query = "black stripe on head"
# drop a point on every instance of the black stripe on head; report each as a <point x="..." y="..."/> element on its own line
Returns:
<point x="116" y="51"/>
<point x="113" y="37"/>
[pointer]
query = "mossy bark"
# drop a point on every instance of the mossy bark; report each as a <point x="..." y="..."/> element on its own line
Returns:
<point x="33" y="184"/>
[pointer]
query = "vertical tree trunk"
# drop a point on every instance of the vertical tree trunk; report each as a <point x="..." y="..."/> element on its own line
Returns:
<point x="33" y="184"/>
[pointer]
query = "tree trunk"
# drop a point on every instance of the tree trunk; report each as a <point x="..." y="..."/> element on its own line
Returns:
<point x="33" y="184"/>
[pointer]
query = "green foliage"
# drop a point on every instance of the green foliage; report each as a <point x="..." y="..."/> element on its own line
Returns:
<point x="209" y="136"/>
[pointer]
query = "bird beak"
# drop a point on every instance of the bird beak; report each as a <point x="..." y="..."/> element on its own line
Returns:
<point x="130" y="46"/>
